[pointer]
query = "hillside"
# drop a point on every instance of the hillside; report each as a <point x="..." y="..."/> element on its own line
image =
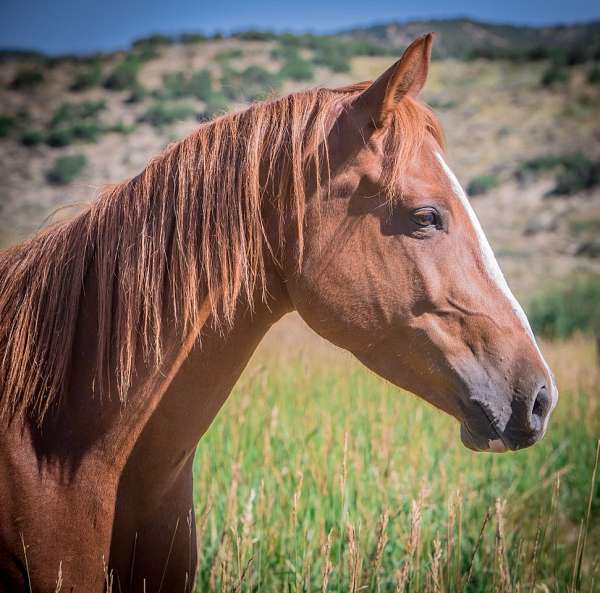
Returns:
<point x="465" y="38"/>
<point x="523" y="132"/>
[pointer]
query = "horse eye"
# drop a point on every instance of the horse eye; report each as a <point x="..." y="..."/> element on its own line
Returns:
<point x="425" y="217"/>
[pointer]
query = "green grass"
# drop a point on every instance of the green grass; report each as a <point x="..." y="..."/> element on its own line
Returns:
<point x="319" y="471"/>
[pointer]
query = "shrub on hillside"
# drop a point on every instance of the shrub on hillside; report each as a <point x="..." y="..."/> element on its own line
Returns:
<point x="297" y="68"/>
<point x="332" y="54"/>
<point x="124" y="75"/>
<point x="32" y="137"/>
<point x="163" y="113"/>
<point x="72" y="112"/>
<point x="574" y="307"/>
<point x="7" y="123"/>
<point x="66" y="169"/>
<point x="578" y="173"/>
<point x="251" y="84"/>
<point x="593" y="76"/>
<point x="482" y="184"/>
<point x="554" y="75"/>
<point x="87" y="77"/>
<point x="229" y="54"/>
<point x="575" y="172"/>
<point x="191" y="38"/>
<point x="216" y="104"/>
<point x="27" y="78"/>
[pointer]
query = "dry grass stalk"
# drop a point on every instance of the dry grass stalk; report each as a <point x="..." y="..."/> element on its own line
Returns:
<point x="354" y="560"/>
<point x="327" y="565"/>
<point x="502" y="573"/>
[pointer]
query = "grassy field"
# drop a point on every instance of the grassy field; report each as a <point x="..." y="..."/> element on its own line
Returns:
<point x="319" y="476"/>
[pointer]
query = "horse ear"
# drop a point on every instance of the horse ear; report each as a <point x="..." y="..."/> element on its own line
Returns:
<point x="406" y="77"/>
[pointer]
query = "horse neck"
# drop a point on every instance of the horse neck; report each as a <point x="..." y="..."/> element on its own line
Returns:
<point x="168" y="408"/>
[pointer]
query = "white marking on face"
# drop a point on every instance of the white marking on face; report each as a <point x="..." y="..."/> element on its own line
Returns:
<point x="494" y="271"/>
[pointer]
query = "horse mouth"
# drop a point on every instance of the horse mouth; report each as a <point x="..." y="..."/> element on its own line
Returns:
<point x="478" y="433"/>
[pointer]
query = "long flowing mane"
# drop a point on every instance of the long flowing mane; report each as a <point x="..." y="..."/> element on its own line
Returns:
<point x="187" y="228"/>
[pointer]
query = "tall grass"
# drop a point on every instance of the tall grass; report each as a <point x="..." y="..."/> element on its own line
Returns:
<point x="318" y="476"/>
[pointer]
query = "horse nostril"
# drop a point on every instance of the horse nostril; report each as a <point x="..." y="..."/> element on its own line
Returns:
<point x="540" y="409"/>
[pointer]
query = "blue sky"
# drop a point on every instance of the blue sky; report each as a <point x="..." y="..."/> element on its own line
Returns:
<point x="82" y="26"/>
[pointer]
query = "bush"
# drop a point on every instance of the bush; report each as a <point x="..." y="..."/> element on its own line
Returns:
<point x="60" y="137"/>
<point x="124" y="75"/>
<point x="7" y="123"/>
<point x="554" y="75"/>
<point x="216" y="104"/>
<point x="190" y="38"/>
<point x="576" y="172"/>
<point x="137" y="95"/>
<point x="66" y="168"/>
<point x="482" y="184"/>
<point x="200" y="85"/>
<point x="72" y="112"/>
<point x="257" y="83"/>
<point x="27" y="79"/>
<point x="331" y="53"/>
<point x="593" y="76"/>
<point x="575" y="307"/>
<point x="297" y="68"/>
<point x="228" y="54"/>
<point x="250" y="84"/>
<point x="579" y="173"/>
<point x="164" y="113"/>
<point x="32" y="137"/>
<point x="174" y="86"/>
<point x="87" y="77"/>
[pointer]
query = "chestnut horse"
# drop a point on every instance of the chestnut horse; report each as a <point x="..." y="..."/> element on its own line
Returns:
<point x="123" y="330"/>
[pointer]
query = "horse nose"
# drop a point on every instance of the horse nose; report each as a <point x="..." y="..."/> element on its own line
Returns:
<point x="528" y="419"/>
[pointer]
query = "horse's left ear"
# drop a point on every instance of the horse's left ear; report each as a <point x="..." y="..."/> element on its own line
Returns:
<point x="406" y="77"/>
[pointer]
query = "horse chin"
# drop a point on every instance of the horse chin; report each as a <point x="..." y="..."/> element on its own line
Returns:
<point x="480" y="443"/>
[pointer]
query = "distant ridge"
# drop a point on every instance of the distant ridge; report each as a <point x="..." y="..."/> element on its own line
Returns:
<point x="461" y="38"/>
<point x="464" y="37"/>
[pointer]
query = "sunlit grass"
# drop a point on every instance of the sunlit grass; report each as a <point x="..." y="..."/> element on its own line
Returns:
<point x="319" y="476"/>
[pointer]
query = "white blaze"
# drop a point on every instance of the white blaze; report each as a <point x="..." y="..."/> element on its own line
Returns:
<point x="495" y="273"/>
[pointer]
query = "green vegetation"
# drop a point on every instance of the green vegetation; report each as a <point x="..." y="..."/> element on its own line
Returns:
<point x="68" y="113"/>
<point x="564" y="310"/>
<point x="333" y="54"/>
<point x="177" y="85"/>
<point x="229" y="54"/>
<point x="191" y="38"/>
<point x="27" y="78"/>
<point x="575" y="172"/>
<point x="554" y="75"/>
<point x="482" y="184"/>
<point x="216" y="104"/>
<point x="124" y="75"/>
<point x="163" y="113"/>
<point x="315" y="470"/>
<point x="297" y="68"/>
<point x="32" y="137"/>
<point x="7" y="123"/>
<point x="74" y="122"/>
<point x="87" y="77"/>
<point x="251" y="84"/>
<point x="66" y="169"/>
<point x="593" y="76"/>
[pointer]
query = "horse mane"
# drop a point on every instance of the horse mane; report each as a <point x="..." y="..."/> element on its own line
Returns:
<point x="187" y="228"/>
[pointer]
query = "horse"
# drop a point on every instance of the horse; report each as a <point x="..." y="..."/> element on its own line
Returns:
<point x="124" y="328"/>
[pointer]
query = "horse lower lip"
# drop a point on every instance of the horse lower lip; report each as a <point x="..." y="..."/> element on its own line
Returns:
<point x="497" y="446"/>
